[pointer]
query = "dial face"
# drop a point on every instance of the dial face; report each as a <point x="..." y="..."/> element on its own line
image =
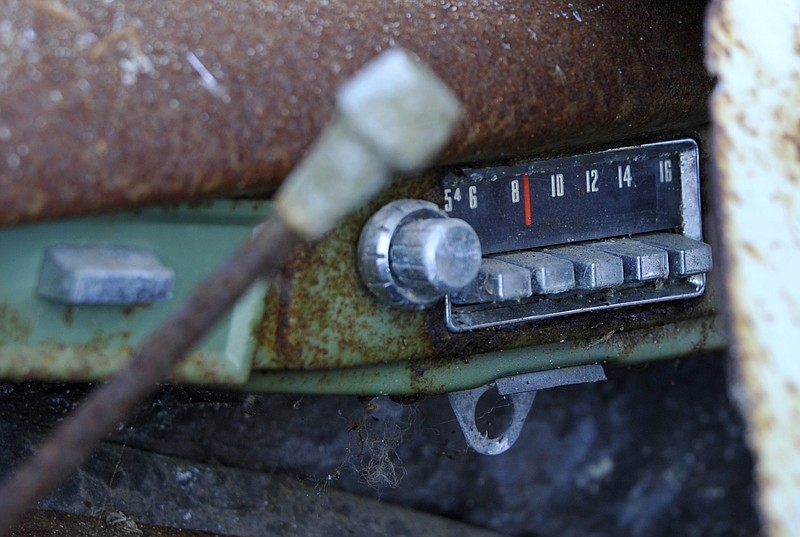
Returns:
<point x="585" y="197"/>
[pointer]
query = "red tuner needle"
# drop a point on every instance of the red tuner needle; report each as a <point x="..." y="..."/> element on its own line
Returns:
<point x="526" y="194"/>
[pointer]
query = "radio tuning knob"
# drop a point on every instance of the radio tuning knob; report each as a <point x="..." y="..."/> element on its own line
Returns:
<point x="442" y="253"/>
<point x="411" y="254"/>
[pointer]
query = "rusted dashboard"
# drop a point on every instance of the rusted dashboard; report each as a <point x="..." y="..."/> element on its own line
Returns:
<point x="113" y="116"/>
<point x="305" y="329"/>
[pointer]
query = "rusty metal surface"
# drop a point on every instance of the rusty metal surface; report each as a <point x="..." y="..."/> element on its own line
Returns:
<point x="105" y="105"/>
<point x="319" y="315"/>
<point x="756" y="127"/>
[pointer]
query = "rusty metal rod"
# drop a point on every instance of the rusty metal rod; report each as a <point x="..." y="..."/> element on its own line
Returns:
<point x="69" y="445"/>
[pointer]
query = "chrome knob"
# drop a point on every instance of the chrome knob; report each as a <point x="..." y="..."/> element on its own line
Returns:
<point x="411" y="254"/>
<point x="443" y="253"/>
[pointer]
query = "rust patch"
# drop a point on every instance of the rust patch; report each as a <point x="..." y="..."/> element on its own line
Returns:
<point x="69" y="313"/>
<point x="200" y="368"/>
<point x="102" y="111"/>
<point x="753" y="252"/>
<point x="320" y="316"/>
<point x="101" y="341"/>
<point x="128" y="311"/>
<point x="13" y="327"/>
<point x="420" y="383"/>
<point x="592" y="327"/>
<point x="702" y="345"/>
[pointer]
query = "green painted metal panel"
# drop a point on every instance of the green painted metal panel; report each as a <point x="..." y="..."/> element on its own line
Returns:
<point x="43" y="339"/>
<point x="356" y="345"/>
<point x="419" y="377"/>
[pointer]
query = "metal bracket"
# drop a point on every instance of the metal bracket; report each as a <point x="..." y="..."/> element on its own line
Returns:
<point x="520" y="391"/>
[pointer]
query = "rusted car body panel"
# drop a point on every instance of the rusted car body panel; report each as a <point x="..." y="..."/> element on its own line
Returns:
<point x="127" y="103"/>
<point x="139" y="103"/>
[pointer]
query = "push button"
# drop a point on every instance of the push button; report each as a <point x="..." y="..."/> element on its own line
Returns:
<point x="549" y="275"/>
<point x="593" y="269"/>
<point x="104" y="275"/>
<point x="641" y="262"/>
<point x="686" y="256"/>
<point x="497" y="281"/>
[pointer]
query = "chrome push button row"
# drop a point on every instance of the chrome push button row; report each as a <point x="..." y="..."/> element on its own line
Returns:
<point x="588" y="267"/>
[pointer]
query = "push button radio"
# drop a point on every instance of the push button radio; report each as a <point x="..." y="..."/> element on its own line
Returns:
<point x="546" y="238"/>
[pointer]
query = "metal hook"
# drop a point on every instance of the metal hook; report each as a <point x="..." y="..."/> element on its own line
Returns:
<point x="520" y="390"/>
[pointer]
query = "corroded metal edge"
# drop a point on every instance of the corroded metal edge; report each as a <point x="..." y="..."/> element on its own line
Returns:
<point x="756" y="113"/>
<point x="428" y="377"/>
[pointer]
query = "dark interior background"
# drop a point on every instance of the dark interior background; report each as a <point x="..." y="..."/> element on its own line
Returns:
<point x="655" y="450"/>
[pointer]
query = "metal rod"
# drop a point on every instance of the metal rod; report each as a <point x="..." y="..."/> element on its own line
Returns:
<point x="69" y="445"/>
<point x="356" y="155"/>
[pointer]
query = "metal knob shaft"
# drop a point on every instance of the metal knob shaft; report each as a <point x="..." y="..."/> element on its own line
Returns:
<point x="444" y="253"/>
<point x="411" y="254"/>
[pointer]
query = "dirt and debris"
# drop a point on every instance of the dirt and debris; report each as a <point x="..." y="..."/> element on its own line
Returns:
<point x="122" y="522"/>
<point x="56" y="524"/>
